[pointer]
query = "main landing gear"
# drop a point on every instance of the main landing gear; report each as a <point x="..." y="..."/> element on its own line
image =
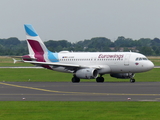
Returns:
<point x="100" y="79"/>
<point x="75" y="79"/>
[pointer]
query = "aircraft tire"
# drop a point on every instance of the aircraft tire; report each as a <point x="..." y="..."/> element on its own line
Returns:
<point x="75" y="80"/>
<point x="132" y="80"/>
<point x="100" y="79"/>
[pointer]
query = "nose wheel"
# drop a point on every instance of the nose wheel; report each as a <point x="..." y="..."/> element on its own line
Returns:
<point x="132" y="80"/>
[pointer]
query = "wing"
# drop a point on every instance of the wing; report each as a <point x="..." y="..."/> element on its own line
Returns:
<point x="71" y="67"/>
<point x="51" y="63"/>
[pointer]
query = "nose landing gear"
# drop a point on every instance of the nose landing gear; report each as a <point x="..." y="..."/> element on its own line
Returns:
<point x="132" y="80"/>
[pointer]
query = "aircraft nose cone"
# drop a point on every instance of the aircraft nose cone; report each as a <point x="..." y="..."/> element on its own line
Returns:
<point x="150" y="65"/>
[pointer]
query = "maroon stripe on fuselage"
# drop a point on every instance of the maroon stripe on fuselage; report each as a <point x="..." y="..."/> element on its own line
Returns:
<point x="38" y="50"/>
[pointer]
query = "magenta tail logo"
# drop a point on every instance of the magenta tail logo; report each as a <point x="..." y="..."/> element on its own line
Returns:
<point x="38" y="50"/>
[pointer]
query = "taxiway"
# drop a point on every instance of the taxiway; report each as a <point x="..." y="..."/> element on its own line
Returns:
<point x="84" y="91"/>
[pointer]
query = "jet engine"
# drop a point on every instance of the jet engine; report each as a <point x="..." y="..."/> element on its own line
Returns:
<point x="87" y="73"/>
<point x="122" y="75"/>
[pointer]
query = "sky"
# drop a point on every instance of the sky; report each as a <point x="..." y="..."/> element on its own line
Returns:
<point x="77" y="20"/>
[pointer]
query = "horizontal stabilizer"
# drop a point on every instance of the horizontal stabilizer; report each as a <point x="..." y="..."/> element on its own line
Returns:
<point x="14" y="60"/>
<point x="21" y="57"/>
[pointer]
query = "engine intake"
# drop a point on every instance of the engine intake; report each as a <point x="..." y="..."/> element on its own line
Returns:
<point x="87" y="73"/>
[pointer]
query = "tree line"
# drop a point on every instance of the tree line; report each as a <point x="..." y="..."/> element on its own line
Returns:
<point x="146" y="46"/>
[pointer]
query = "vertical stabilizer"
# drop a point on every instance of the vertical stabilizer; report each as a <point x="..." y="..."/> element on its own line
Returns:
<point x="36" y="47"/>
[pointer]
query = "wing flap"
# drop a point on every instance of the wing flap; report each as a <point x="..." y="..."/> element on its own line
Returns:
<point x="54" y="64"/>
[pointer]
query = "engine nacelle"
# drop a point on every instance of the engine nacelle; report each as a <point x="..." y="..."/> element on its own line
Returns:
<point x="122" y="75"/>
<point x="87" y="73"/>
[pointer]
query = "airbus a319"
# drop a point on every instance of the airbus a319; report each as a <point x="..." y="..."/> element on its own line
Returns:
<point x="85" y="65"/>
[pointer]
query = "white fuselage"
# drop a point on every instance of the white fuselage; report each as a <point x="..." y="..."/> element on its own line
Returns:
<point x="106" y="62"/>
<point x="85" y="65"/>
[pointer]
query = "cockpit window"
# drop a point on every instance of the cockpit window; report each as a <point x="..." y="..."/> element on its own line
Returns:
<point x="141" y="58"/>
<point x="145" y="59"/>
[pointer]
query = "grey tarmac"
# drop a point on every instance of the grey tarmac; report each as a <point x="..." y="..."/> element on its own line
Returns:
<point x="83" y="91"/>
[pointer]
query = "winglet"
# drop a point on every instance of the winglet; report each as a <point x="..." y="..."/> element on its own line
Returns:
<point x="30" y="30"/>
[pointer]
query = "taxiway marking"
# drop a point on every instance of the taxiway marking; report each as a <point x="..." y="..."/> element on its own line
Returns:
<point x="75" y="93"/>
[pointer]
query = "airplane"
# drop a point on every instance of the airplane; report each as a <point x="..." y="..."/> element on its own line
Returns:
<point x="85" y="65"/>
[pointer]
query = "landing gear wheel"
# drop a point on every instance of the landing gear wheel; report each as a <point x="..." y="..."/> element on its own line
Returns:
<point x="100" y="79"/>
<point x="75" y="80"/>
<point x="132" y="80"/>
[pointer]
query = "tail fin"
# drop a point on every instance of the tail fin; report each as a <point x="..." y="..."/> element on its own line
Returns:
<point x="37" y="49"/>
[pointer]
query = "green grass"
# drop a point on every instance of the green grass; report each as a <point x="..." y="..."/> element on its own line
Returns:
<point x="33" y="75"/>
<point x="150" y="76"/>
<point x="15" y="65"/>
<point x="44" y="75"/>
<point x="51" y="110"/>
<point x="8" y="61"/>
<point x="155" y="60"/>
<point x="48" y="110"/>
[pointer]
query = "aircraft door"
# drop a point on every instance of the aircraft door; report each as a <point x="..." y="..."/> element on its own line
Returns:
<point x="126" y="60"/>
